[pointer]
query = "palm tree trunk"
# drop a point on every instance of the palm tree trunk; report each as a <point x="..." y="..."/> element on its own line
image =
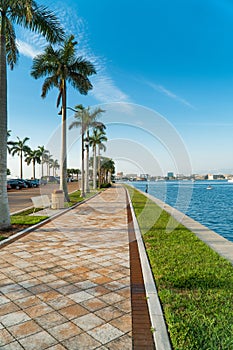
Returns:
<point x="34" y="168"/>
<point x="94" y="167"/>
<point x="82" y="175"/>
<point x="87" y="165"/>
<point x="99" y="167"/>
<point x="21" y="165"/>
<point x="4" y="207"/>
<point x="63" y="180"/>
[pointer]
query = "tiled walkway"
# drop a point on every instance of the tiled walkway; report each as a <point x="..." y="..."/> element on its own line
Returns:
<point x="67" y="284"/>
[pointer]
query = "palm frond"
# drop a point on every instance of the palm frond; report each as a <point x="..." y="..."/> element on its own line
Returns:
<point x="48" y="84"/>
<point x="39" y="19"/>
<point x="12" y="52"/>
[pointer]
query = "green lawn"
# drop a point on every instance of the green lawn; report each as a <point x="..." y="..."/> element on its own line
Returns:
<point x="194" y="283"/>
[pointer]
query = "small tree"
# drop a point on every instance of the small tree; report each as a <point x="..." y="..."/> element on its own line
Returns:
<point x="20" y="148"/>
<point x="33" y="157"/>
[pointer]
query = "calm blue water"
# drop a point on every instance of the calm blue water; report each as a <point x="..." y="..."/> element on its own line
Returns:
<point x="212" y="208"/>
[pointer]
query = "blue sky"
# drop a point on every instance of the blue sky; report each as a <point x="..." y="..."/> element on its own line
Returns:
<point x="158" y="61"/>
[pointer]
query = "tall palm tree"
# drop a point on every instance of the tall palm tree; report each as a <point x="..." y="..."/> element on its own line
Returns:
<point x="62" y="66"/>
<point x="98" y="136"/>
<point x="101" y="147"/>
<point x="86" y="119"/>
<point x="36" y="18"/>
<point x="9" y="143"/>
<point x="49" y="162"/>
<point x="33" y="156"/>
<point x="54" y="165"/>
<point x="41" y="150"/>
<point x="109" y="169"/>
<point x="20" y="148"/>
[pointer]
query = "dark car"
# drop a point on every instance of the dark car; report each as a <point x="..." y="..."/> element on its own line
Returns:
<point x="33" y="182"/>
<point x="49" y="179"/>
<point x="16" y="184"/>
<point x="26" y="183"/>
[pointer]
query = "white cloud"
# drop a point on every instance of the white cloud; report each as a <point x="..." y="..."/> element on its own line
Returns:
<point x="170" y="94"/>
<point x="27" y="49"/>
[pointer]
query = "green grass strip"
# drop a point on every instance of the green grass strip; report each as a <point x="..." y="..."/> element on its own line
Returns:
<point x="194" y="283"/>
<point x="27" y="220"/>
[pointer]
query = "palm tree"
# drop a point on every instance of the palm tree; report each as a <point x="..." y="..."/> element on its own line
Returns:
<point x="41" y="150"/>
<point x="101" y="147"/>
<point x="9" y="143"/>
<point x="96" y="138"/>
<point x="54" y="166"/>
<point x="49" y="162"/>
<point x="62" y="66"/>
<point x="38" y="19"/>
<point x="20" y="148"/>
<point x="85" y="118"/>
<point x="33" y="157"/>
<point x="108" y="168"/>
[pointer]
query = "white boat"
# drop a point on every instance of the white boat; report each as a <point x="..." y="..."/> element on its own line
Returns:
<point x="209" y="187"/>
<point x="230" y="180"/>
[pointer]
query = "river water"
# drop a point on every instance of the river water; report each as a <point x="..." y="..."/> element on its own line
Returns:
<point x="211" y="207"/>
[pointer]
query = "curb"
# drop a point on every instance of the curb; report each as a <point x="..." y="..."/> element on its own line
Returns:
<point x="160" y="333"/>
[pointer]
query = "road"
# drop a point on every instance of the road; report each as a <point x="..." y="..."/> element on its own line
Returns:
<point x="21" y="199"/>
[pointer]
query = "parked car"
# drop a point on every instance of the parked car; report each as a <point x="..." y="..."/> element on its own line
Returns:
<point x="34" y="182"/>
<point x="16" y="184"/>
<point x="52" y="179"/>
<point x="26" y="183"/>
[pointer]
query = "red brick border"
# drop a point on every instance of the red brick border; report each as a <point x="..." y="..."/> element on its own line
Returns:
<point x="141" y="333"/>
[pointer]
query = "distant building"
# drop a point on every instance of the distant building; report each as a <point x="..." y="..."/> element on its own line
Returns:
<point x="170" y="174"/>
<point x="144" y="177"/>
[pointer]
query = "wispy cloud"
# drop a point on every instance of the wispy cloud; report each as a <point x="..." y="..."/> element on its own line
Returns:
<point x="27" y="49"/>
<point x="105" y="89"/>
<point x="169" y="94"/>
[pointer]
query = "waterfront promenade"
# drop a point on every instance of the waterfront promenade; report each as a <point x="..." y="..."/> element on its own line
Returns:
<point x="73" y="282"/>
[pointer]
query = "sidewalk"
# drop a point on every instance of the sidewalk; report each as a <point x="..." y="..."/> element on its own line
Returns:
<point x="66" y="285"/>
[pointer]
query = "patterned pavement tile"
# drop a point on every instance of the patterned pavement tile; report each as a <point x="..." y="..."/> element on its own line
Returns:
<point x="14" y="318"/>
<point x="80" y="296"/>
<point x="41" y="340"/>
<point x="50" y="320"/>
<point x="57" y="347"/>
<point x="73" y="311"/>
<point x="124" y="342"/>
<point x="123" y="323"/>
<point x="27" y="302"/>
<point x="93" y="304"/>
<point x="8" y="308"/>
<point x="12" y="346"/>
<point x="5" y="337"/>
<point x="60" y="302"/>
<point x="24" y="329"/>
<point x="111" y="298"/>
<point x="109" y="313"/>
<point x="65" y="331"/>
<point x="81" y="342"/>
<point x="38" y="310"/>
<point x="3" y="300"/>
<point x="88" y="321"/>
<point x="105" y="333"/>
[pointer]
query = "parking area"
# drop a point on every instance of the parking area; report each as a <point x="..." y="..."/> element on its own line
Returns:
<point x="21" y="199"/>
